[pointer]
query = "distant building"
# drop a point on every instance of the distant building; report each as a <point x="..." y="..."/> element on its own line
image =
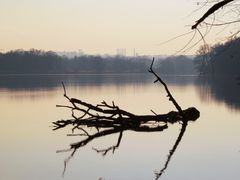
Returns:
<point x="121" y="51"/>
<point x="71" y="54"/>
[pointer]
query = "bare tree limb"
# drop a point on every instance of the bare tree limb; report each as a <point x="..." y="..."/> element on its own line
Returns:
<point x="210" y="11"/>
<point x="166" y="88"/>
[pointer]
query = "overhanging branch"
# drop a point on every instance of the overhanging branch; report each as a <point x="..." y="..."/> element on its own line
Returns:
<point x="210" y="11"/>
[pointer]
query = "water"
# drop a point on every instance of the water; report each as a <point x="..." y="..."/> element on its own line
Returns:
<point x="209" y="149"/>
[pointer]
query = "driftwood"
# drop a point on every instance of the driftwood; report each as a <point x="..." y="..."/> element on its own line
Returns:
<point x="106" y="119"/>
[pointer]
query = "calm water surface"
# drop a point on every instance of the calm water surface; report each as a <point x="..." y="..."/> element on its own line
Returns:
<point x="210" y="147"/>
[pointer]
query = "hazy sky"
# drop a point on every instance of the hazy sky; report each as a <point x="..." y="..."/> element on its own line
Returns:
<point x="96" y="26"/>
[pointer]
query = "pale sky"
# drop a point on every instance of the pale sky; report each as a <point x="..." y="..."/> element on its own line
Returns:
<point x="96" y="26"/>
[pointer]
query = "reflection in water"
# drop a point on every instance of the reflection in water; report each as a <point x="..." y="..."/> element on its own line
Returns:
<point x="220" y="89"/>
<point x="44" y="86"/>
<point x="171" y="152"/>
<point x="75" y="146"/>
<point x="215" y="88"/>
<point x="213" y="140"/>
<point x="207" y="143"/>
<point x="40" y="82"/>
<point x="35" y="87"/>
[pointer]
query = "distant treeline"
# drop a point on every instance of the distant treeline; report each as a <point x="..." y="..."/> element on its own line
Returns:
<point x="221" y="59"/>
<point x="48" y="62"/>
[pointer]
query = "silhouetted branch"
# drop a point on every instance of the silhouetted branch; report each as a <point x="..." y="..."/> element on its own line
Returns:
<point x="214" y="8"/>
<point x="169" y="95"/>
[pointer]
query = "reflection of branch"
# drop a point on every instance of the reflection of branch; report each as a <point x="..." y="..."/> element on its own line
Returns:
<point x="77" y="145"/>
<point x="171" y="152"/>
<point x="105" y="151"/>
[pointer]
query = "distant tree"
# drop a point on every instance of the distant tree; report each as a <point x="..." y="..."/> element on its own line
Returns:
<point x="39" y="62"/>
<point x="203" y="60"/>
<point x="178" y="65"/>
<point x="220" y="59"/>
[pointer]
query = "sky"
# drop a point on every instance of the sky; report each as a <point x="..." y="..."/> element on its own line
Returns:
<point x="97" y="26"/>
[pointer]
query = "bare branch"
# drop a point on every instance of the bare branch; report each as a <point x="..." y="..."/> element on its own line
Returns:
<point x="223" y="23"/>
<point x="166" y="88"/>
<point x="214" y="8"/>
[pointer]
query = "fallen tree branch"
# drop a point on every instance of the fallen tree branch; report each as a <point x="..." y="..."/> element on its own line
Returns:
<point x="109" y="119"/>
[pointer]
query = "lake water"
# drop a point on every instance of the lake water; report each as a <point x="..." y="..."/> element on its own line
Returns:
<point x="209" y="149"/>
